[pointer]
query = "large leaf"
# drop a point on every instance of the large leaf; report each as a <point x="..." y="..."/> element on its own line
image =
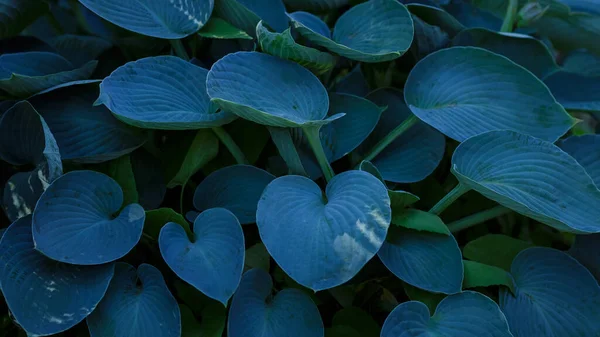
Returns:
<point x="495" y="249"/>
<point x="85" y="133"/>
<point x="570" y="32"/>
<point x="322" y="239"/>
<point x="246" y="14"/>
<point x="237" y="188"/>
<point x="44" y="296"/>
<point x="137" y="302"/>
<point x="213" y="260"/>
<point x="586" y="150"/>
<point x="79" y="49"/>
<point x="532" y="177"/>
<point x="76" y="220"/>
<point x="256" y="312"/>
<point x="267" y="90"/>
<point x="169" y="94"/>
<point x="283" y="46"/>
<point x="524" y="50"/>
<point x="437" y="256"/>
<point x="424" y="145"/>
<point x="18" y="14"/>
<point x="374" y="31"/>
<point x="163" y="19"/>
<point x="585" y="250"/>
<point x="574" y="91"/>
<point x="466" y="91"/>
<point x="549" y="281"/>
<point x="315" y="5"/>
<point x="25" y="74"/>
<point x="454" y="317"/>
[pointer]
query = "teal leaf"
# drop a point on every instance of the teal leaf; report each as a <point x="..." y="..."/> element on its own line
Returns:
<point x="169" y="93"/>
<point x="470" y="15"/>
<point x="79" y="49"/>
<point x="452" y="318"/>
<point x="585" y="250"/>
<point x="354" y="83"/>
<point x="16" y="15"/>
<point x="283" y="46"/>
<point x="549" y="281"/>
<point x="44" y="296"/>
<point x="524" y="50"/>
<point x="586" y="150"/>
<point x="246" y="14"/>
<point x="398" y="199"/>
<point x="314" y="5"/>
<point x="217" y="28"/>
<point x="495" y="250"/>
<point x="162" y="19"/>
<point x="267" y="90"/>
<point x="85" y="133"/>
<point x="574" y="91"/>
<point x="91" y="230"/>
<point x="437" y="255"/>
<point x="466" y="91"/>
<point x="374" y="31"/>
<point x="138" y="302"/>
<point x="483" y="275"/>
<point x="437" y="17"/>
<point x="321" y="240"/>
<point x="428" y="38"/>
<point x="236" y="188"/>
<point x="530" y="176"/>
<point x="256" y="312"/>
<point x="25" y="74"/>
<point x="213" y="260"/>
<point x="311" y="22"/>
<point x="422" y="143"/>
<point x="570" y="31"/>
<point x="582" y="62"/>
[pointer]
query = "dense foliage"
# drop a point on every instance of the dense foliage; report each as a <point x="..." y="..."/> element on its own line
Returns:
<point x="300" y="168"/>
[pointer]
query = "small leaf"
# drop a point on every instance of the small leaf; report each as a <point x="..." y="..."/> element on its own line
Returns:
<point x="420" y="221"/>
<point x="86" y="232"/>
<point x="157" y="218"/>
<point x="495" y="250"/>
<point x="483" y="275"/>
<point x="217" y="28"/>
<point x="357" y="319"/>
<point x="203" y="148"/>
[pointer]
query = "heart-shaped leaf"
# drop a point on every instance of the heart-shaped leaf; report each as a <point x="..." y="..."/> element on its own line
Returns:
<point x="85" y="133"/>
<point x="169" y="93"/>
<point x="90" y="230"/>
<point x="137" y="302"/>
<point x="256" y="312"/>
<point x="547" y="282"/>
<point x="283" y="46"/>
<point x="374" y="31"/>
<point x="524" y="50"/>
<point x="586" y="150"/>
<point x="322" y="239"/>
<point x="246" y="14"/>
<point x="424" y="145"/>
<point x="237" y="188"/>
<point x="214" y="260"/>
<point x="466" y="91"/>
<point x="315" y="5"/>
<point x="585" y="250"/>
<point x="311" y="22"/>
<point x="46" y="297"/>
<point x="574" y="91"/>
<point x="495" y="250"/>
<point x="162" y="19"/>
<point x="267" y="90"/>
<point x="452" y="318"/>
<point x="530" y="176"/>
<point x="437" y="255"/>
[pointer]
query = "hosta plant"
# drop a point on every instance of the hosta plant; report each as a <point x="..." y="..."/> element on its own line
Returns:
<point x="299" y="168"/>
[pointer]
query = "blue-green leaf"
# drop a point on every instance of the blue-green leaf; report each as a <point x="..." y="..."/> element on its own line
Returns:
<point x="470" y="15"/>
<point x="555" y="296"/>
<point x="582" y="62"/>
<point x="311" y="22"/>
<point x="256" y="312"/>
<point x="575" y="91"/>
<point x="44" y="296"/>
<point x="314" y="5"/>
<point x="169" y="94"/>
<point x="437" y="255"/>
<point x="532" y="177"/>
<point x="168" y="19"/>
<point x="354" y="83"/>
<point x="428" y="38"/>
<point x="586" y="150"/>
<point x="437" y="17"/>
<point x="79" y="49"/>
<point x="267" y="90"/>
<point x="137" y="302"/>
<point x="76" y="220"/>
<point x="283" y="46"/>
<point x="374" y="31"/>
<point x="466" y="91"/>
<point x="214" y="260"/>
<point x="454" y="317"/>
<point x="585" y="250"/>
<point x="246" y="14"/>
<point x="25" y="74"/>
<point x="322" y="239"/>
<point x="18" y="14"/>
<point x="236" y="188"/>
<point x="424" y="145"/>
<point x="85" y="133"/>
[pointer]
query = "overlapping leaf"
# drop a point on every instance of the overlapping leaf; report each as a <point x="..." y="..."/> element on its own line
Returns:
<point x="18" y="14"/>
<point x="574" y="91"/>
<point x="586" y="150"/>
<point x="246" y="14"/>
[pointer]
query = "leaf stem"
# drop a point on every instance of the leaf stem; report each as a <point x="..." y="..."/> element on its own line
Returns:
<point x="283" y="141"/>
<point x="393" y="135"/>
<point x="449" y="198"/>
<point x="230" y="144"/>
<point x="477" y="218"/>
<point x="509" y="18"/>
<point x="312" y="134"/>
<point x="179" y="49"/>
